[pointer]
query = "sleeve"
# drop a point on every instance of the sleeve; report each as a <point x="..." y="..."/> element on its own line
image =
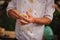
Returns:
<point x="49" y="9"/>
<point x="11" y="5"/>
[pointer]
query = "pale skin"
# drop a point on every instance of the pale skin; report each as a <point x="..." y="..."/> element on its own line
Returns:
<point x="30" y="19"/>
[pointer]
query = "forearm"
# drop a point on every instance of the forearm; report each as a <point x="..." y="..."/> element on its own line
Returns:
<point x="14" y="13"/>
<point x="42" y="21"/>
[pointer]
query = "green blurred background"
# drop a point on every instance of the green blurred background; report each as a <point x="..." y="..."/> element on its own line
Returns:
<point x="5" y="21"/>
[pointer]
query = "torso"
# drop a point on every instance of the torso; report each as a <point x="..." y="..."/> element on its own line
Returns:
<point x="37" y="9"/>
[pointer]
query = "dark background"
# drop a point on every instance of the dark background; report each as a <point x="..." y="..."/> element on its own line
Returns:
<point x="5" y="21"/>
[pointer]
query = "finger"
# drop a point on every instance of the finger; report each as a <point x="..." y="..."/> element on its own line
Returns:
<point x="25" y="19"/>
<point x="29" y="15"/>
<point x="20" y="22"/>
<point x="24" y="22"/>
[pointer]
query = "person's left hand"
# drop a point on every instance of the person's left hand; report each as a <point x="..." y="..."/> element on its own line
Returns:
<point x="22" y="22"/>
<point x="29" y="19"/>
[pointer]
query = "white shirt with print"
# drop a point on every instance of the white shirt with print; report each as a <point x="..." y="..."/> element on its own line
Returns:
<point x="38" y="9"/>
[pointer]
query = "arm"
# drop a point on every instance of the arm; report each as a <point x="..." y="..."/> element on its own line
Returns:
<point x="48" y="15"/>
<point x="14" y="14"/>
<point x="11" y="10"/>
<point x="43" y="20"/>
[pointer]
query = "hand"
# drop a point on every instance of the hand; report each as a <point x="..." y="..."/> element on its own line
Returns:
<point x="29" y="19"/>
<point x="21" y="21"/>
<point x="26" y="19"/>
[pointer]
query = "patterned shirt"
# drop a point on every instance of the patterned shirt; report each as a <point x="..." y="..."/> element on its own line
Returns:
<point x="38" y="9"/>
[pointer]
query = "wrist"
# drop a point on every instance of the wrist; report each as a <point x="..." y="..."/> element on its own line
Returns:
<point x="34" y="20"/>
